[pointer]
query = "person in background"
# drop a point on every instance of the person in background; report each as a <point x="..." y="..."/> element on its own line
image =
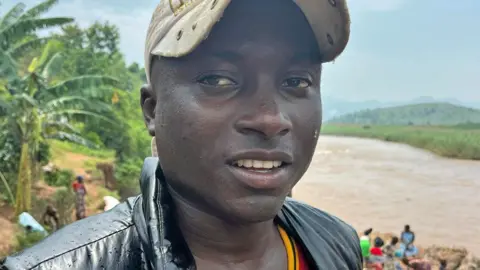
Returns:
<point x="376" y="253"/>
<point x="80" y="193"/>
<point x="389" y="253"/>
<point x="365" y="243"/>
<point x="50" y="217"/>
<point x="408" y="236"/>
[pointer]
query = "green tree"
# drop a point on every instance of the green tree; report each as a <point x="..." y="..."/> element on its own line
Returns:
<point x="95" y="50"/>
<point x="17" y="34"/>
<point x="38" y="107"/>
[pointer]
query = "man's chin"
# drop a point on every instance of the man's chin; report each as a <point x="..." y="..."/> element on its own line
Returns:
<point x="254" y="209"/>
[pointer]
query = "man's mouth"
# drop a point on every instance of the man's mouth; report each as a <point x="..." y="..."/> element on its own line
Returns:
<point x="259" y="166"/>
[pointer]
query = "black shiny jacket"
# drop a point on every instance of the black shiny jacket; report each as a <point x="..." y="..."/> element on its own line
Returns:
<point x="132" y="236"/>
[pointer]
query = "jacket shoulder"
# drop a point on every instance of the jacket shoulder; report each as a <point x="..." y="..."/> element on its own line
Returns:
<point x="103" y="241"/>
<point x="334" y="242"/>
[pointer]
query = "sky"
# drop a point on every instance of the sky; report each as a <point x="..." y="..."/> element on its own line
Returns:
<point x="398" y="49"/>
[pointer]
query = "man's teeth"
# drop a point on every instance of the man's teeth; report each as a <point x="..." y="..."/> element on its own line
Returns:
<point x="258" y="164"/>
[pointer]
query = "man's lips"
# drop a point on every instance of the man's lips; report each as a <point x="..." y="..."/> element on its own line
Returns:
<point x="261" y="155"/>
<point x="261" y="169"/>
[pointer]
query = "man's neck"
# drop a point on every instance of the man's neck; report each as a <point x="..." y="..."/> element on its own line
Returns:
<point x="212" y="239"/>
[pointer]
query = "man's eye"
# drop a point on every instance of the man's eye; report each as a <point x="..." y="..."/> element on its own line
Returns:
<point x="215" y="80"/>
<point x="296" y="83"/>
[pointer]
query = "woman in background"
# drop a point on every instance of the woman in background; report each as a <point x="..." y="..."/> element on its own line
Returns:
<point x="80" y="192"/>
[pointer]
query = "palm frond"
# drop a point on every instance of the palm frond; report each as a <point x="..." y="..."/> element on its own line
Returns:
<point x="39" y="9"/>
<point x="79" y="84"/>
<point x="8" y="66"/>
<point x="53" y="46"/>
<point x="12" y="15"/>
<point x="74" y="112"/>
<point x="57" y="126"/>
<point x="64" y="136"/>
<point x="20" y="49"/>
<point x="56" y="103"/>
<point x="19" y="29"/>
<point x="53" y="66"/>
<point x="30" y="100"/>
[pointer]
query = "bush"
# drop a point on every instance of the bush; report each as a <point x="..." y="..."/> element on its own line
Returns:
<point x="94" y="138"/>
<point x="65" y="203"/>
<point x="127" y="174"/>
<point x="59" y="177"/>
<point x="44" y="154"/>
<point x="27" y="239"/>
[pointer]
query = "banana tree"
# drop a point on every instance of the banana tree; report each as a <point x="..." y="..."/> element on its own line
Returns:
<point x="39" y="106"/>
<point x="17" y="29"/>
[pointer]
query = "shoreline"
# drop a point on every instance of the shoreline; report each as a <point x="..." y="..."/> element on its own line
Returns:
<point x="449" y="142"/>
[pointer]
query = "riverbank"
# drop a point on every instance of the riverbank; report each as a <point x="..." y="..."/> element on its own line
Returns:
<point x="460" y="142"/>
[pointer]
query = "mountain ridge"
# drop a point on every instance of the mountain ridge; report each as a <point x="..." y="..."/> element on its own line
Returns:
<point x="335" y="107"/>
<point x="412" y="114"/>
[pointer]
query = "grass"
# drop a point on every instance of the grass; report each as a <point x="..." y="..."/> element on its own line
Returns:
<point x="71" y="156"/>
<point x="462" y="141"/>
<point x="80" y="149"/>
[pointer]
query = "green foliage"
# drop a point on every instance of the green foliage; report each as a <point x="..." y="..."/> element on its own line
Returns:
<point x="59" y="177"/>
<point x="434" y="114"/>
<point x="454" y="142"/>
<point x="43" y="154"/>
<point x="64" y="199"/>
<point x="27" y="239"/>
<point x="63" y="88"/>
<point x="8" y="194"/>
<point x="127" y="174"/>
<point x="17" y="28"/>
<point x="63" y="147"/>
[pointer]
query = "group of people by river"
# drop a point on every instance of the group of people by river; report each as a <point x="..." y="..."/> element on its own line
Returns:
<point x="399" y="253"/>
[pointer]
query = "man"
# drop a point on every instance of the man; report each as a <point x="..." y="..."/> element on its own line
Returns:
<point x="233" y="100"/>
<point x="365" y="243"/>
<point x="407" y="236"/>
<point x="50" y="217"/>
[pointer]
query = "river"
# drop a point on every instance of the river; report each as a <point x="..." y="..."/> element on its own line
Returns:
<point x="370" y="183"/>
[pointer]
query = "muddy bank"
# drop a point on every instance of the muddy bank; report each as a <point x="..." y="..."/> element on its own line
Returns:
<point x="383" y="185"/>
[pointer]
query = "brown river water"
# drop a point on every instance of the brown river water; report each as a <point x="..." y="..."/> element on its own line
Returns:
<point x="370" y="183"/>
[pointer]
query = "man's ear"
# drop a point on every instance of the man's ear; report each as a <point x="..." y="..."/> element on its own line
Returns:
<point x="148" y="102"/>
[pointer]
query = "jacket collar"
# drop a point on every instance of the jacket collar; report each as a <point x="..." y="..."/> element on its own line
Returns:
<point x="149" y="216"/>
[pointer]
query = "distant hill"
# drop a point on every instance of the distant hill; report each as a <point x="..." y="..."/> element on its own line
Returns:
<point x="416" y="114"/>
<point x="335" y="107"/>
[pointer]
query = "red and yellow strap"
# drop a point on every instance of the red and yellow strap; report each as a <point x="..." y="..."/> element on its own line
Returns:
<point x="291" y="248"/>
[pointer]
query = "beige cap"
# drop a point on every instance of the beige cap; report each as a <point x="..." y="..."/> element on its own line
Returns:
<point x="179" y="26"/>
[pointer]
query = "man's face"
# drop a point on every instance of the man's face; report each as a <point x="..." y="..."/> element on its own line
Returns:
<point x="236" y="121"/>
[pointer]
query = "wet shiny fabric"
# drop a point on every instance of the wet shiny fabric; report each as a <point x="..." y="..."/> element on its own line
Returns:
<point x="132" y="236"/>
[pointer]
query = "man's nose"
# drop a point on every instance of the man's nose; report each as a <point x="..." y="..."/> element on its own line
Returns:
<point x="266" y="120"/>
